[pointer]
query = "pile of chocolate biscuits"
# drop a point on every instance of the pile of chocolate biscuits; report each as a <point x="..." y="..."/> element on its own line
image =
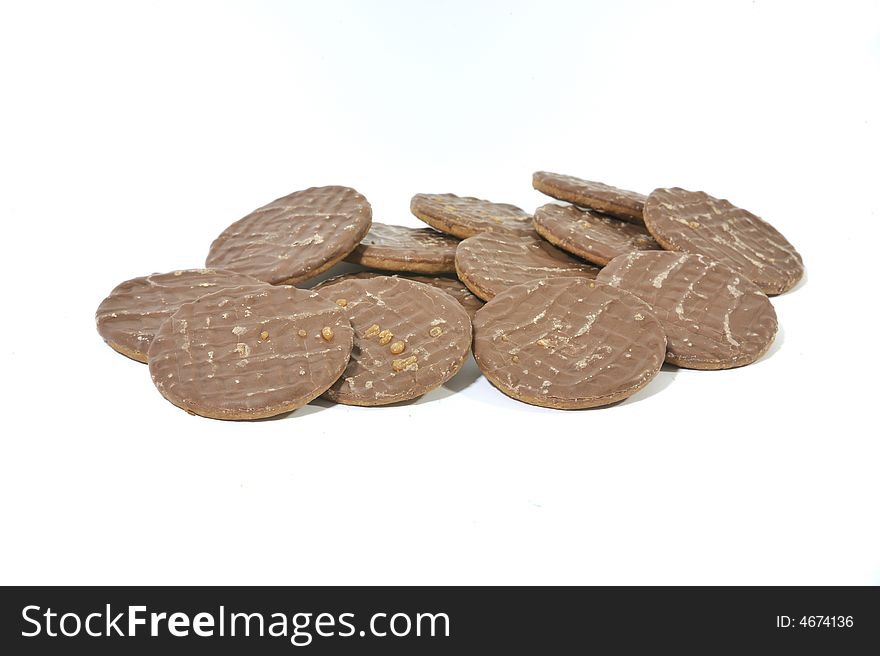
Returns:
<point x="583" y="302"/>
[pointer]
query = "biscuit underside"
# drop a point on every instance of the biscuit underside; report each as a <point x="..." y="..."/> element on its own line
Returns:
<point x="401" y="265"/>
<point x="137" y="356"/>
<point x="474" y="287"/>
<point x="443" y="225"/>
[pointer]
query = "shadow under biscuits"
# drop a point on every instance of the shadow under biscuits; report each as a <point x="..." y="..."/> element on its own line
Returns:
<point x="668" y="372"/>
<point x="466" y="376"/>
<point x="660" y="382"/>
<point x="313" y="406"/>
<point x="338" y="269"/>
<point x="778" y="341"/>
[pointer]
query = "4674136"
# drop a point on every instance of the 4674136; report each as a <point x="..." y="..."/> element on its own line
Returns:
<point x="814" y="621"/>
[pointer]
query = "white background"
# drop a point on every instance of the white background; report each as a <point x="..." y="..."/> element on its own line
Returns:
<point x="133" y="133"/>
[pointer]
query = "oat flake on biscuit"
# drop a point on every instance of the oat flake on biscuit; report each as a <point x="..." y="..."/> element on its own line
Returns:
<point x="452" y="286"/>
<point x="409" y="339"/>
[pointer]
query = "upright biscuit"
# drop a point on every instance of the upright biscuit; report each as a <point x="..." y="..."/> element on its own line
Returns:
<point x="133" y="312"/>
<point x="568" y="343"/>
<point x="409" y="339"/>
<point x="465" y="217"/>
<point x="397" y="248"/>
<point x="452" y="286"/>
<point x="250" y="352"/>
<point x="591" y="235"/>
<point x="489" y="263"/>
<point x="295" y="237"/>
<point x="626" y="205"/>
<point x="695" y="222"/>
<point x="714" y="318"/>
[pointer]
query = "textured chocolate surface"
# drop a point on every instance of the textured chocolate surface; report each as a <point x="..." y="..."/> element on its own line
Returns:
<point x="695" y="222"/>
<point x="452" y="286"/>
<point x="409" y="339"/>
<point x="464" y="217"/>
<point x="591" y="235"/>
<point x="294" y="237"/>
<point x="397" y="248"/>
<point x="568" y="343"/>
<point x="490" y="263"/>
<point x="132" y="314"/>
<point x="621" y="203"/>
<point x="714" y="318"/>
<point x="250" y="352"/>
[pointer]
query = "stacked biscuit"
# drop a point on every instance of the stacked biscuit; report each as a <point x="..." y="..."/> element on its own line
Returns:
<point x="584" y="302"/>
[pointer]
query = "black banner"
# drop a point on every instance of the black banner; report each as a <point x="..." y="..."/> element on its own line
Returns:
<point x="417" y="620"/>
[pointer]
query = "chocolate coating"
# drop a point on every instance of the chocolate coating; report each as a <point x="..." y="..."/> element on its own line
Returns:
<point x="397" y="248"/>
<point x="133" y="312"/>
<point x="489" y="263"/>
<point x="466" y="216"/>
<point x="714" y="318"/>
<point x="568" y="343"/>
<point x="596" y="237"/>
<point x="409" y="339"/>
<point x="695" y="222"/>
<point x="452" y="286"/>
<point x="250" y="352"/>
<point x="626" y="205"/>
<point x="295" y="237"/>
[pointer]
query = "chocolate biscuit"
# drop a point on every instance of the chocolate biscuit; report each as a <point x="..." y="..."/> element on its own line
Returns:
<point x="591" y="235"/>
<point x="695" y="222"/>
<point x="250" y="352"/>
<point x="295" y="237"/>
<point x="568" y="343"/>
<point x="397" y="248"/>
<point x="452" y="286"/>
<point x="132" y="314"/>
<point x="464" y="217"/>
<point x="714" y="318"/>
<point x="489" y="263"/>
<point x="409" y="339"/>
<point x="626" y="205"/>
